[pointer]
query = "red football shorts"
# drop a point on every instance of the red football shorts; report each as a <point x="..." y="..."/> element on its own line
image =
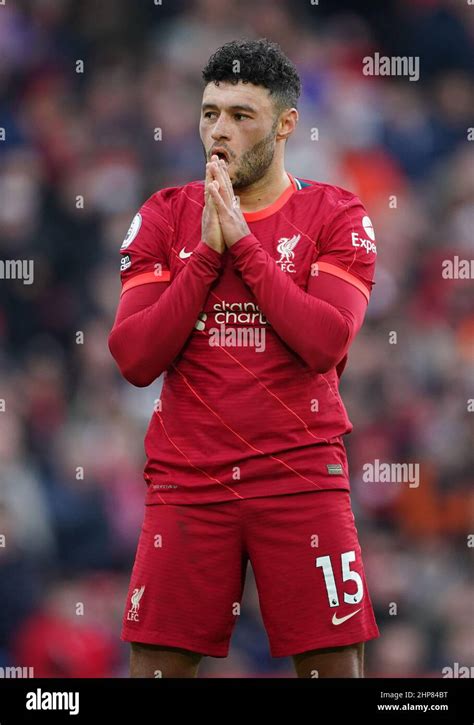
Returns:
<point x="189" y="573"/>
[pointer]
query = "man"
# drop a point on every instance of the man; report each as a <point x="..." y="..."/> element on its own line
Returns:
<point x="246" y="291"/>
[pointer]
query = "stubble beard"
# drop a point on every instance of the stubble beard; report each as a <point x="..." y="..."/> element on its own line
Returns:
<point x="255" y="162"/>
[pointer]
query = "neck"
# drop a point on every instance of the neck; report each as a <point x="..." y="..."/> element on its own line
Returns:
<point x="264" y="191"/>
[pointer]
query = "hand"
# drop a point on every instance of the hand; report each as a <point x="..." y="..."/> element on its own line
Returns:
<point x="211" y="232"/>
<point x="231" y="218"/>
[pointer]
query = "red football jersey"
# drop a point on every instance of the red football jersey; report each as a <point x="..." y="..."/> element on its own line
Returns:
<point x="246" y="408"/>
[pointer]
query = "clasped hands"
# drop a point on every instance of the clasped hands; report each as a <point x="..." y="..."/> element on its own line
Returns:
<point x="223" y="222"/>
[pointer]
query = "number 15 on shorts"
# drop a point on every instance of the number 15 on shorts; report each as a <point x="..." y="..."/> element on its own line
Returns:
<point x="347" y="575"/>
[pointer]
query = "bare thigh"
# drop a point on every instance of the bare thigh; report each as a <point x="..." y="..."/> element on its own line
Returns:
<point x="347" y="661"/>
<point x="151" y="660"/>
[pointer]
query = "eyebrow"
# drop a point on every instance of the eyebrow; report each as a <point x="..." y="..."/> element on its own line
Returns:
<point x="231" y="108"/>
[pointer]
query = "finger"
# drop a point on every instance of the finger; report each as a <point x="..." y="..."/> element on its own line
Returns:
<point x="234" y="200"/>
<point x="218" y="175"/>
<point x="228" y="182"/>
<point x="207" y="181"/>
<point x="216" y="197"/>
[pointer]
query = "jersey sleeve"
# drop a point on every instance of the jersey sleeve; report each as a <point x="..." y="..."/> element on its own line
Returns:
<point x="145" y="249"/>
<point x="347" y="247"/>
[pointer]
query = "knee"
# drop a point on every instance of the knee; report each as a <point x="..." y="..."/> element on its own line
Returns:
<point x="344" y="661"/>
<point x="149" y="660"/>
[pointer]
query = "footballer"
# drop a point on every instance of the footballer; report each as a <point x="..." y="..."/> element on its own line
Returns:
<point x="245" y="290"/>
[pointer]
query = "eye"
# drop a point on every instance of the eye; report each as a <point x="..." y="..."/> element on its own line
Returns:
<point x="241" y="115"/>
<point x="208" y="114"/>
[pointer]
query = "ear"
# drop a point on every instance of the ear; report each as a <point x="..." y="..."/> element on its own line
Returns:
<point x="287" y="123"/>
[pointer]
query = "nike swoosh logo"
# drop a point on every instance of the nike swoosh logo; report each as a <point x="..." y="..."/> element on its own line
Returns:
<point x="335" y="620"/>
<point x="183" y="254"/>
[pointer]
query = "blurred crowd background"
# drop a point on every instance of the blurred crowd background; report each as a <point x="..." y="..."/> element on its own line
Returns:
<point x="402" y="146"/>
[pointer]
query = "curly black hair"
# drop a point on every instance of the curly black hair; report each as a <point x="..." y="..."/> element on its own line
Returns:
<point x="261" y="62"/>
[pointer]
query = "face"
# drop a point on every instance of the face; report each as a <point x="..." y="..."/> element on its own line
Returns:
<point x="241" y="121"/>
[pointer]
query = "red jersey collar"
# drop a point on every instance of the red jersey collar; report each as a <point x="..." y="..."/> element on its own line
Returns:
<point x="255" y="216"/>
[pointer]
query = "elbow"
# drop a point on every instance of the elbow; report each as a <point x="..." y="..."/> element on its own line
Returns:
<point x="132" y="370"/>
<point x="322" y="360"/>
<point x="134" y="378"/>
<point x="323" y="364"/>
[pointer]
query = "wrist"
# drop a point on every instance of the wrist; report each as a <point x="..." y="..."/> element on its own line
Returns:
<point x="209" y="251"/>
<point x="217" y="249"/>
<point x="237" y="240"/>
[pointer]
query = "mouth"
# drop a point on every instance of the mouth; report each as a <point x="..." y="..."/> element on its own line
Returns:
<point x="221" y="154"/>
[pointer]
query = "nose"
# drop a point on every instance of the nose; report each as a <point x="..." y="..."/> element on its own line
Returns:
<point x="220" y="129"/>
